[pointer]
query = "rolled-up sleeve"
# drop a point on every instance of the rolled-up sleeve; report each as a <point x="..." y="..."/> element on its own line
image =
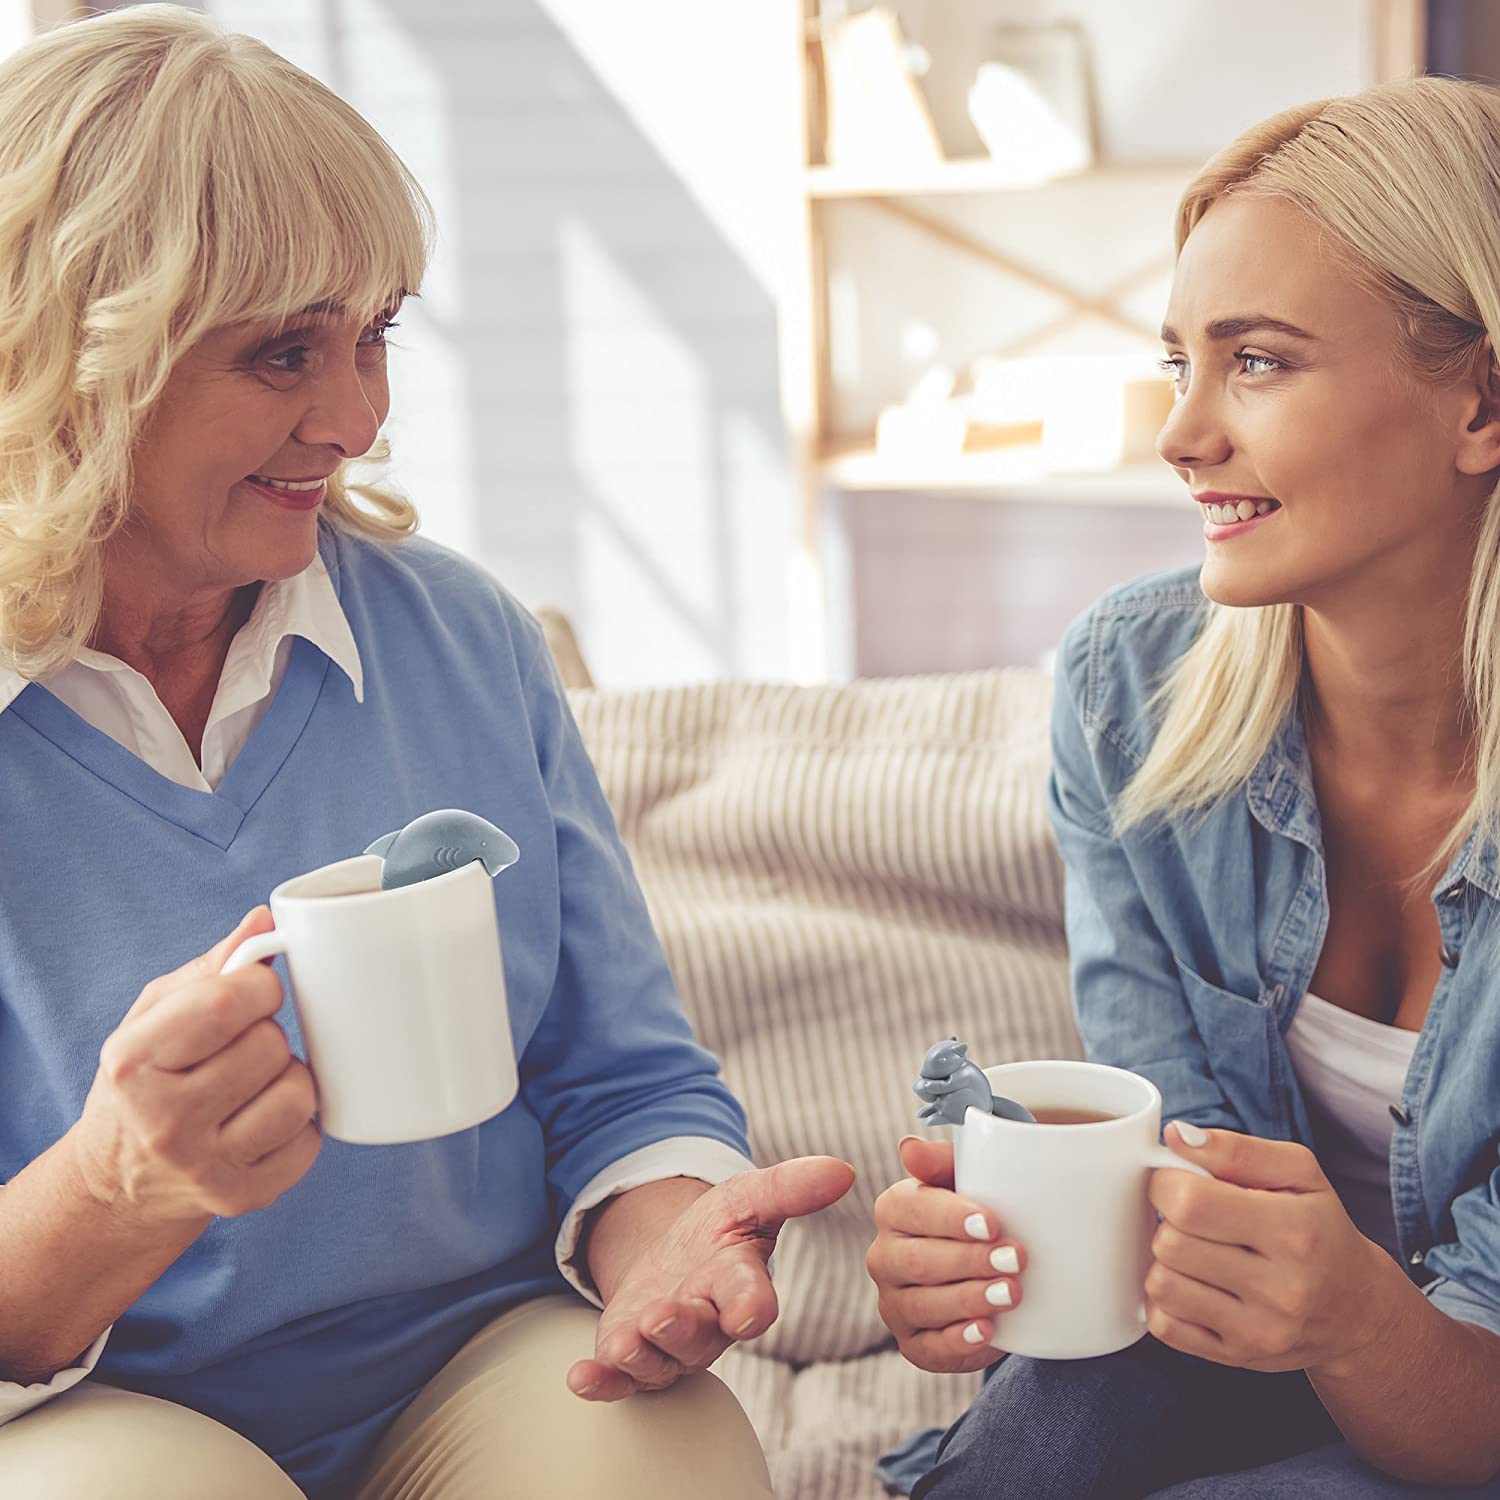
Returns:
<point x="1467" y="1266"/>
<point x="613" y="1065"/>
<point x="17" y="1399"/>
<point x="1455" y="1299"/>
<point x="1127" y="996"/>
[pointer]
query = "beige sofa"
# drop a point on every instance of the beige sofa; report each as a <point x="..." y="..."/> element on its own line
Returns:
<point x="842" y="875"/>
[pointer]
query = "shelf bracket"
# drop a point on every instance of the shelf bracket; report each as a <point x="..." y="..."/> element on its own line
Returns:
<point x="1080" y="304"/>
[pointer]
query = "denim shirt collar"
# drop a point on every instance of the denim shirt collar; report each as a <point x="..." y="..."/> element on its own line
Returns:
<point x="1283" y="800"/>
<point x="1280" y="790"/>
<point x="1478" y="864"/>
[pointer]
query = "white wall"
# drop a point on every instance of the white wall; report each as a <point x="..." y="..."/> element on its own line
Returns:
<point x="587" y="401"/>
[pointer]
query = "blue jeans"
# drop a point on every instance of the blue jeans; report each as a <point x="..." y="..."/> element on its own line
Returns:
<point x="1150" y="1421"/>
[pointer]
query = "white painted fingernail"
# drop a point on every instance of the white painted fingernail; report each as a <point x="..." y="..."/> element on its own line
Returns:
<point x="1191" y="1134"/>
<point x="976" y="1226"/>
<point x="1004" y="1258"/>
<point x="997" y="1294"/>
<point x="973" y="1334"/>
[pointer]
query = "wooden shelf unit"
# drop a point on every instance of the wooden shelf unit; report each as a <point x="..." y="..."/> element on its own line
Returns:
<point x="822" y="460"/>
<point x="1019" y="473"/>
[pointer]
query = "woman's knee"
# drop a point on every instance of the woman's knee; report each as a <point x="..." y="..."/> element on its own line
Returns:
<point x="502" y="1408"/>
<point x="1031" y="1430"/>
<point x="1069" y="1429"/>
<point x="96" y="1442"/>
<point x="700" y="1426"/>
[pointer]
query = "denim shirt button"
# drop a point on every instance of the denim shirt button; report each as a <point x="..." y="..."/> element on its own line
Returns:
<point x="1448" y="956"/>
<point x="1399" y="1115"/>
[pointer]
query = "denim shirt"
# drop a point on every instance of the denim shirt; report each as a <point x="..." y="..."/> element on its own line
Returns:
<point x="1192" y="943"/>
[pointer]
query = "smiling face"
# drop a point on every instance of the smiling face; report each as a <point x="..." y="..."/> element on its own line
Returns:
<point x="247" y="405"/>
<point x="1370" y="480"/>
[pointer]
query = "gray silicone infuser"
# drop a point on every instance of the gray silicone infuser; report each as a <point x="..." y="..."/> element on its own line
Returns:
<point x="950" y="1083"/>
<point x="441" y="841"/>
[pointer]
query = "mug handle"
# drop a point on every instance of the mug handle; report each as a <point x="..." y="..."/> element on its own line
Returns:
<point x="1157" y="1156"/>
<point x="253" y="949"/>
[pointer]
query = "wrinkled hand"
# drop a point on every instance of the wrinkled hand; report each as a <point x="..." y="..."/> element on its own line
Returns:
<point x="1261" y="1268"/>
<point x="704" y="1284"/>
<point x="199" y="1107"/>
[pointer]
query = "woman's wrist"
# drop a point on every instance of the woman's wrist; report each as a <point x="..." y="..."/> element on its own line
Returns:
<point x="1383" y="1321"/>
<point x="622" y="1228"/>
<point x="1415" y="1397"/>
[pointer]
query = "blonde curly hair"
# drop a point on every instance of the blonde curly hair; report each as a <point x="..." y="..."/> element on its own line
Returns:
<point x="159" y="178"/>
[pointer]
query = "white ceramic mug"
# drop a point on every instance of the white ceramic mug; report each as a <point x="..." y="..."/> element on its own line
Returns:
<point x="1074" y="1197"/>
<point x="401" y="998"/>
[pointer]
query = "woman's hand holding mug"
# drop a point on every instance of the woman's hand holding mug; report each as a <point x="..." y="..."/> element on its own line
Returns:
<point x="198" y="1107"/>
<point x="942" y="1267"/>
<point x="1071" y="1185"/>
<point x="1261" y="1267"/>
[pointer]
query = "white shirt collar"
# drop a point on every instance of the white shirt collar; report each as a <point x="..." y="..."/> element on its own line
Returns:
<point x="304" y="605"/>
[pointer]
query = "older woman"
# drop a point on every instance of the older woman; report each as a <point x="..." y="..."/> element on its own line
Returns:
<point x="219" y="669"/>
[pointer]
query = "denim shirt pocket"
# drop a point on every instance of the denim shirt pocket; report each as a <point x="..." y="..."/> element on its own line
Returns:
<point x="1239" y="1037"/>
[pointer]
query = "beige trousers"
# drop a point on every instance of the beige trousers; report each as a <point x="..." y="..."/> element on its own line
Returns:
<point x="495" y="1423"/>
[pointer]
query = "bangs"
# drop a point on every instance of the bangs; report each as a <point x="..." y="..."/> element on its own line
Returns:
<point x="267" y="195"/>
<point x="302" y="208"/>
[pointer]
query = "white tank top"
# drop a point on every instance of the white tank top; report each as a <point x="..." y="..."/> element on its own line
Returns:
<point x="1351" y="1070"/>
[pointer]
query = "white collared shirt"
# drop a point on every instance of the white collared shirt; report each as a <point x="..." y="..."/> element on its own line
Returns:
<point x="120" y="702"/>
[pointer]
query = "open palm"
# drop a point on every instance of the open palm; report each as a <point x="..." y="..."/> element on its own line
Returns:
<point x="704" y="1284"/>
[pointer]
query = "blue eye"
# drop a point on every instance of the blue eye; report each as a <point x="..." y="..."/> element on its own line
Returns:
<point x="372" y="338"/>
<point x="1174" y="367"/>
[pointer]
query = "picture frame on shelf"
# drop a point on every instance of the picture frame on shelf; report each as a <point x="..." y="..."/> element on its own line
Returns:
<point x="1031" y="101"/>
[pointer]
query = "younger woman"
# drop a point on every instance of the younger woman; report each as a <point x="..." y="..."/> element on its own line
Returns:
<point x="1276" y="789"/>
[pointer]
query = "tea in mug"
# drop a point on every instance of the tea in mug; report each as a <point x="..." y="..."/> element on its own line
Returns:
<point x="1067" y="1115"/>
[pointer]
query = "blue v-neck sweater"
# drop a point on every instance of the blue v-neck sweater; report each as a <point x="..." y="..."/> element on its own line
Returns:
<point x="308" y="1325"/>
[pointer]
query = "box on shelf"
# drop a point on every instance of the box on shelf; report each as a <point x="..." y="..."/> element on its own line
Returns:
<point x="1097" y="411"/>
<point x="1084" y="414"/>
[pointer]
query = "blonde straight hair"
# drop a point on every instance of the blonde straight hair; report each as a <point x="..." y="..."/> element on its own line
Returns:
<point x="1404" y="180"/>
<point x="160" y="178"/>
